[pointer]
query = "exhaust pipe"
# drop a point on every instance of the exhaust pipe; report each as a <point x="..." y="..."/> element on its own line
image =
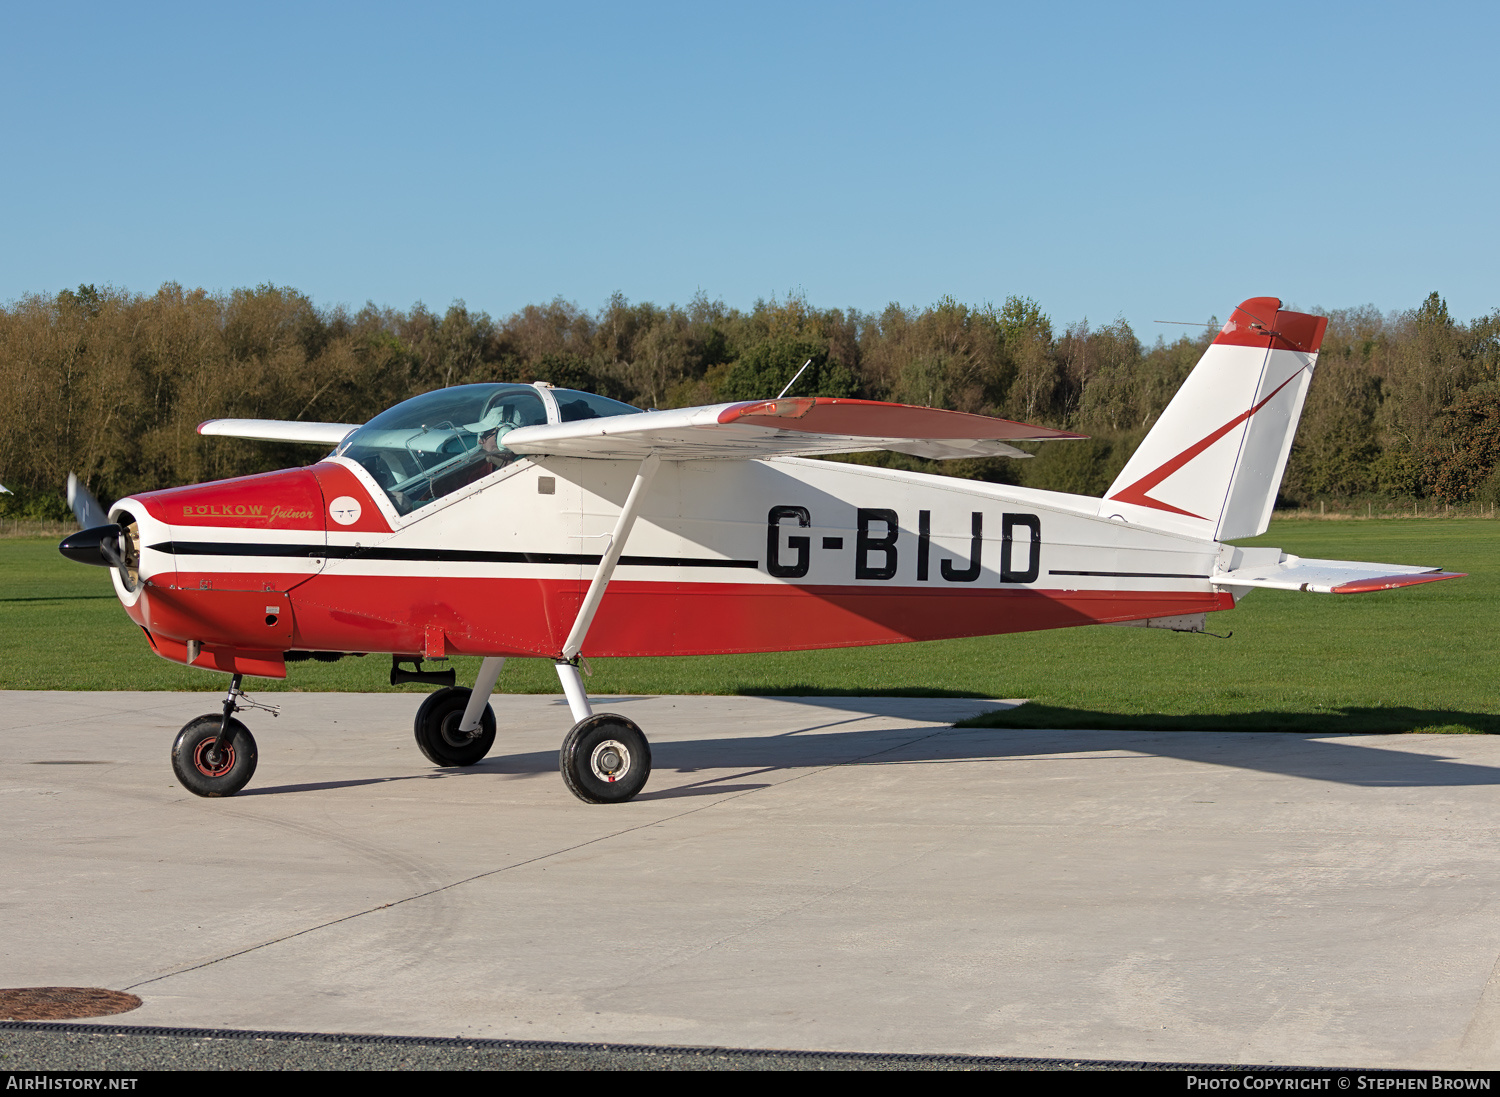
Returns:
<point x="417" y="674"/>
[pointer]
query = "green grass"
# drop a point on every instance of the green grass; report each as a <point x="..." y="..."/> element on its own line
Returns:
<point x="1417" y="659"/>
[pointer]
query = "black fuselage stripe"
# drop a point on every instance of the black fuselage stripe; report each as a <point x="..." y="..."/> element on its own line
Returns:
<point x="1133" y="574"/>
<point x="442" y="556"/>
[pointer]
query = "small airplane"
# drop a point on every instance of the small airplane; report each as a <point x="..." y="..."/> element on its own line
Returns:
<point x="494" y="520"/>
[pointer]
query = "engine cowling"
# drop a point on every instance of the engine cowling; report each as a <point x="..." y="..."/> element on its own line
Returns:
<point x="215" y="565"/>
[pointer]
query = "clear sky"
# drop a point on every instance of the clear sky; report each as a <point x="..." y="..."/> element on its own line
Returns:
<point x="1156" y="161"/>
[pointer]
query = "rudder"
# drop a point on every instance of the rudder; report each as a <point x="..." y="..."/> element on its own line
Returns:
<point x="1213" y="462"/>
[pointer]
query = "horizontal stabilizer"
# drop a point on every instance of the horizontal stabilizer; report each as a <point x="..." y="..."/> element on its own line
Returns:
<point x="796" y="426"/>
<point x="277" y="430"/>
<point x="1329" y="576"/>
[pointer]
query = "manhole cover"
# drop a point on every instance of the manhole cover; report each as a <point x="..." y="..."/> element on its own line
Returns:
<point x="62" y="1003"/>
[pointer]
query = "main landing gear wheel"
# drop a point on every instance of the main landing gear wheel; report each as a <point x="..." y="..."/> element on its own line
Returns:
<point x="605" y="759"/>
<point x="206" y="771"/>
<point x="438" y="737"/>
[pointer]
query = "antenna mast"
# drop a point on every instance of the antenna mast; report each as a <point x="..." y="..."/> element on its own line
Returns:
<point x="793" y="381"/>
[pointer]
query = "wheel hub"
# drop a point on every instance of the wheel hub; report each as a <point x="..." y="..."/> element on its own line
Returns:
<point x="211" y="762"/>
<point x="610" y="760"/>
<point x="455" y="737"/>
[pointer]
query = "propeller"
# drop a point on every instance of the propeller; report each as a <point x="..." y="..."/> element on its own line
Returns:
<point x="85" y="507"/>
<point x="98" y="540"/>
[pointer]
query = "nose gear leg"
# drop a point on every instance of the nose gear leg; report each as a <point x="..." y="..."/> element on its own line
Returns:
<point x="215" y="755"/>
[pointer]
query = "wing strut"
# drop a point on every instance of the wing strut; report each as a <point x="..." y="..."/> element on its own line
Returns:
<point x="567" y="666"/>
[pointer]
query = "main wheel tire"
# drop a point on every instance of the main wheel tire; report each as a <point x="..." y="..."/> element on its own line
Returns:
<point x="605" y="759"/>
<point x="438" y="737"/>
<point x="204" y="772"/>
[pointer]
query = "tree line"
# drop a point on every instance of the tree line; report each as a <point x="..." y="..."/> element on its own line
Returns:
<point x="112" y="384"/>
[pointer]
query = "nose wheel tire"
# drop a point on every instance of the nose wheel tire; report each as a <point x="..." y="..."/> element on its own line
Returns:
<point x="605" y="759"/>
<point x="206" y="771"/>
<point x="438" y="736"/>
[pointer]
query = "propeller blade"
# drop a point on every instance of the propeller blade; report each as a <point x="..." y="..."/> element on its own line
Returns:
<point x="86" y="508"/>
<point x="98" y="540"/>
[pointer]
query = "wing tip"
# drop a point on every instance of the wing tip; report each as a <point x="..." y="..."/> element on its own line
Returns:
<point x="1391" y="582"/>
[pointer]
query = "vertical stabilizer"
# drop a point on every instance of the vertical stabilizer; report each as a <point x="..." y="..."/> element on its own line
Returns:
<point x="1212" y="464"/>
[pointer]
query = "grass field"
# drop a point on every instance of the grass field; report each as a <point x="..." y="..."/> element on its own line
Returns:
<point x="1417" y="659"/>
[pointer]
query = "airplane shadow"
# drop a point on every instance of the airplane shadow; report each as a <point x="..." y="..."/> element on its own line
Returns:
<point x="321" y="786"/>
<point x="1339" y="721"/>
<point x="62" y="598"/>
<point x="823" y="695"/>
<point x="1313" y="756"/>
<point x="734" y="764"/>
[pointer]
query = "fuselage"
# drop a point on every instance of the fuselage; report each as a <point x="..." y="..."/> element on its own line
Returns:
<point x="728" y="556"/>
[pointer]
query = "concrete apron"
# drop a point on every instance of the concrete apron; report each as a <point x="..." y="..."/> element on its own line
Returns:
<point x="822" y="873"/>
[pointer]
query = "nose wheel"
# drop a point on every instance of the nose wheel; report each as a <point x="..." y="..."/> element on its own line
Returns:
<point x="215" y="755"/>
<point x="605" y="759"/>
<point x="207" y="766"/>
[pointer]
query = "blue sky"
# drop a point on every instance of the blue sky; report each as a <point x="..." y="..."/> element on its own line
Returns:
<point x="1156" y="161"/>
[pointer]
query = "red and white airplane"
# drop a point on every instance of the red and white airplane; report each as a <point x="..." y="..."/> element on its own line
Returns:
<point x="506" y="520"/>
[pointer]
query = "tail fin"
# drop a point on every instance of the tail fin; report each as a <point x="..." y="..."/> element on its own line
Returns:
<point x="1212" y="463"/>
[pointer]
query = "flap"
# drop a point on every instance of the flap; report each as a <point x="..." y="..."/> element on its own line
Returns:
<point x="801" y="426"/>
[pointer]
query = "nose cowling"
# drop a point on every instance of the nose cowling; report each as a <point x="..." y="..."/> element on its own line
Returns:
<point x="219" y="561"/>
<point x="281" y="501"/>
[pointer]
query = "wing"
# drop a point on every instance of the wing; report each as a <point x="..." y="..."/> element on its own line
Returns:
<point x="1330" y="576"/>
<point x="798" y="426"/>
<point x="277" y="430"/>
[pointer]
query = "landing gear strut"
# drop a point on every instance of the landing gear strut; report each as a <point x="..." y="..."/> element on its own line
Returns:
<point x="215" y="755"/>
<point x="605" y="759"/>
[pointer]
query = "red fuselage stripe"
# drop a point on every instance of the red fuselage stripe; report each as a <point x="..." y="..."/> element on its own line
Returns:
<point x="532" y="616"/>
